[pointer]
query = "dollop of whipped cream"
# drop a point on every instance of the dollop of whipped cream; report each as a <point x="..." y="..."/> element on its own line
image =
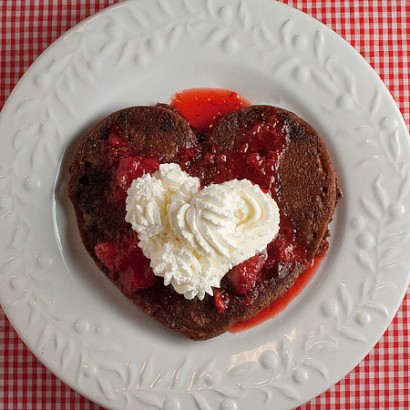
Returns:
<point x="194" y="236"/>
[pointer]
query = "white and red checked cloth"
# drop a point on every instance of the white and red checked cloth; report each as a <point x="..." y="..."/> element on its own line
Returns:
<point x="380" y="31"/>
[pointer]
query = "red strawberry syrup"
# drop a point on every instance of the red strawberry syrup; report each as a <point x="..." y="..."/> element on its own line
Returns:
<point x="201" y="107"/>
<point x="279" y="305"/>
<point x="256" y="159"/>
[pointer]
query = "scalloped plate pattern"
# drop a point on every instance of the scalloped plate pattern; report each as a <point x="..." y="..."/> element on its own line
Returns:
<point x="138" y="53"/>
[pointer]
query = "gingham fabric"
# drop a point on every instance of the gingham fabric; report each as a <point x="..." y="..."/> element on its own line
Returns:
<point x="379" y="30"/>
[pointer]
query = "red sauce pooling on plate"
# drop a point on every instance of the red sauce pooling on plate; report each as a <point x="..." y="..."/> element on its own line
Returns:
<point x="201" y="107"/>
<point x="279" y="305"/>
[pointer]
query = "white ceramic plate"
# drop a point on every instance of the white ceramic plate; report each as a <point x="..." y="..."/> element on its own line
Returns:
<point x="141" y="52"/>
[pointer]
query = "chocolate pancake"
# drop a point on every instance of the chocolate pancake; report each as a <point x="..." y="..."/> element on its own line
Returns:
<point x="267" y="145"/>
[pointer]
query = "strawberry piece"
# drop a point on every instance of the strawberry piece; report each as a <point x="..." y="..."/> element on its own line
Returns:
<point x="219" y="301"/>
<point x="107" y="253"/>
<point x="126" y="259"/>
<point x="287" y="249"/>
<point x="242" y="277"/>
<point x="115" y="147"/>
<point x="137" y="276"/>
<point x="115" y="141"/>
<point x="130" y="168"/>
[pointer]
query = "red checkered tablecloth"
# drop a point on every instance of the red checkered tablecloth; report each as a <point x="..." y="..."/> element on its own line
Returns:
<point x="379" y="30"/>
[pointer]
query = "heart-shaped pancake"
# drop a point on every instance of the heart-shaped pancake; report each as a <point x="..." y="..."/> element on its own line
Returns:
<point x="272" y="148"/>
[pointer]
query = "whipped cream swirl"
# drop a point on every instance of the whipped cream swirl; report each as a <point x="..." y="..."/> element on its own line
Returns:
<point x="194" y="236"/>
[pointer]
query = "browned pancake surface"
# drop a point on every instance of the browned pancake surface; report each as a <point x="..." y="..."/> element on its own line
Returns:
<point x="307" y="192"/>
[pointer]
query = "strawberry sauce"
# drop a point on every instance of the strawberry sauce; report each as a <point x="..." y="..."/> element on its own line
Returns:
<point x="201" y="107"/>
<point x="256" y="157"/>
<point x="279" y="305"/>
